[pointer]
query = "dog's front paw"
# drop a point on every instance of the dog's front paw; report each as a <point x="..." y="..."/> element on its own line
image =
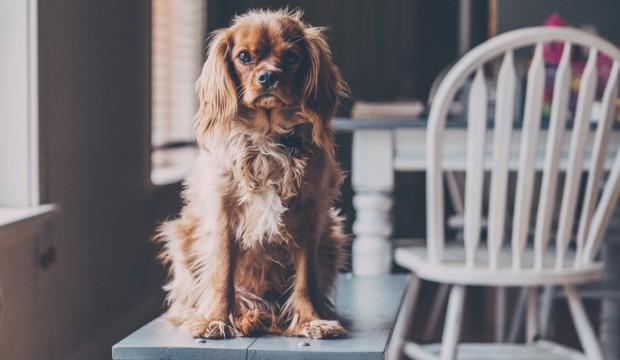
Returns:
<point x="252" y="322"/>
<point x="209" y="328"/>
<point x="321" y="329"/>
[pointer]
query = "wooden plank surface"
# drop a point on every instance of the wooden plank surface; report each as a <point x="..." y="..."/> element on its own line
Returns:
<point x="368" y="306"/>
<point x="162" y="341"/>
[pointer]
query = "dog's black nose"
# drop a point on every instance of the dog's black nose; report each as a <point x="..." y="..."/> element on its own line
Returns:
<point x="266" y="78"/>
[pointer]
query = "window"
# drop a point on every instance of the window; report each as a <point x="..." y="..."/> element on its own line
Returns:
<point x="178" y="54"/>
<point x="19" y="182"/>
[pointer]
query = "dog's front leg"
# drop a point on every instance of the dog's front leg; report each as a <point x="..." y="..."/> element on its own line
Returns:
<point x="214" y="285"/>
<point x="306" y="305"/>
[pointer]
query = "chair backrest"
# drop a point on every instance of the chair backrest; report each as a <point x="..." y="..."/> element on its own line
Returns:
<point x="595" y="210"/>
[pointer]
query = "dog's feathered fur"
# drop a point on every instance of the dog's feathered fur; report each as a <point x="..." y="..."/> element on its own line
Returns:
<point x="258" y="245"/>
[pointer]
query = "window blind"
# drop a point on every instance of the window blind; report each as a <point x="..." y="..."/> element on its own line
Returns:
<point x="178" y="53"/>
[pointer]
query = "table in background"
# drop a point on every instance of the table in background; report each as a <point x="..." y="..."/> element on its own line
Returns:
<point x="383" y="146"/>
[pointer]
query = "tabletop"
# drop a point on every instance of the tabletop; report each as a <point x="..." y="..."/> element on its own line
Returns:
<point x="367" y="305"/>
<point x="345" y="124"/>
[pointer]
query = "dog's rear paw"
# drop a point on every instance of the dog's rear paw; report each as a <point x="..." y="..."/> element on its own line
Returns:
<point x="321" y="329"/>
<point x="209" y="328"/>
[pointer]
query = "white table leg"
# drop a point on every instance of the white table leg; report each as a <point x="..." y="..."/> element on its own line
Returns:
<point x="373" y="182"/>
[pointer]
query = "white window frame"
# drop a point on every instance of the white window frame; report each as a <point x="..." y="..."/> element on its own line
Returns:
<point x="19" y="111"/>
<point x="21" y="214"/>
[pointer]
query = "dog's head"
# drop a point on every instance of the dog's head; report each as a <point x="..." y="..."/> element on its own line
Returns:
<point x="269" y="61"/>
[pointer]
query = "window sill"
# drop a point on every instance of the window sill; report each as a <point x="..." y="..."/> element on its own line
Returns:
<point x="23" y="222"/>
<point x="170" y="166"/>
<point x="169" y="175"/>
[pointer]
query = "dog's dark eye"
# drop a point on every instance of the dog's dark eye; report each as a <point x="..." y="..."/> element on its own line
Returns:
<point x="290" y="58"/>
<point x="245" y="57"/>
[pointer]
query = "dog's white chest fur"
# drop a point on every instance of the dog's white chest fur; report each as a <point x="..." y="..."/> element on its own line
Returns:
<point x="258" y="216"/>
<point x="261" y="219"/>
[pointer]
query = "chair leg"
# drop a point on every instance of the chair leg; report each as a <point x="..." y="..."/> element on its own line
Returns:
<point x="441" y="297"/>
<point x="586" y="334"/>
<point x="531" y="329"/>
<point x="404" y="320"/>
<point x="546" y="308"/>
<point x="518" y="317"/>
<point x="499" y="332"/>
<point x="452" y="327"/>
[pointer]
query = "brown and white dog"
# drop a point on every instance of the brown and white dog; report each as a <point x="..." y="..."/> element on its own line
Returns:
<point x="258" y="244"/>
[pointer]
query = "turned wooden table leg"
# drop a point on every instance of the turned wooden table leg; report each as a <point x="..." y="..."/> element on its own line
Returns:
<point x="373" y="182"/>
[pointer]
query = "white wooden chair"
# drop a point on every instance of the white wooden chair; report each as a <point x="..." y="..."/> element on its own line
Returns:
<point x="510" y="260"/>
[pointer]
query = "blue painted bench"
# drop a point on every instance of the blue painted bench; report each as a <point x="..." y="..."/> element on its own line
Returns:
<point x="368" y="306"/>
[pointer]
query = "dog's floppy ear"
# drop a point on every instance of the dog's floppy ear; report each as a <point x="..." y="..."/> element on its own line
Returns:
<point x="216" y="87"/>
<point x="324" y="85"/>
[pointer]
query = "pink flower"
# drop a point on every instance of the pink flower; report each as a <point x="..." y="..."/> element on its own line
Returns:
<point x="553" y="51"/>
<point x="554" y="20"/>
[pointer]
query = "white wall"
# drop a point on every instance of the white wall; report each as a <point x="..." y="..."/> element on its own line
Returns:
<point x="18" y="303"/>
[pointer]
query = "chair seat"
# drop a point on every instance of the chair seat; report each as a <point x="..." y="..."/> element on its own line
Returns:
<point x="453" y="269"/>
<point x="541" y="350"/>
